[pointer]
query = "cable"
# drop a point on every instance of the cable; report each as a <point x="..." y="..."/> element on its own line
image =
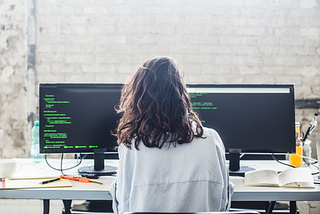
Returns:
<point x="315" y="161"/>
<point x="61" y="160"/>
<point x="274" y="158"/>
<point x="61" y="170"/>
<point x="306" y="157"/>
<point x="313" y="164"/>
<point x="314" y="173"/>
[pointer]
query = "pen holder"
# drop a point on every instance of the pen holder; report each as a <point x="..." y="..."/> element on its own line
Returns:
<point x="307" y="152"/>
<point x="296" y="159"/>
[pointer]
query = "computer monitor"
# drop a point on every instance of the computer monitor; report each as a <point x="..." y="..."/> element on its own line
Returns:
<point x="250" y="118"/>
<point x="79" y="118"/>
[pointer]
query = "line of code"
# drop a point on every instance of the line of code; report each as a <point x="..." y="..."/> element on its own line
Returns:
<point x="200" y="103"/>
<point x="59" y="128"/>
<point x="54" y="139"/>
<point x="196" y="104"/>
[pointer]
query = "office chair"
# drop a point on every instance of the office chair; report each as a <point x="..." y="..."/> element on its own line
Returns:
<point x="230" y="212"/>
<point x="224" y="212"/>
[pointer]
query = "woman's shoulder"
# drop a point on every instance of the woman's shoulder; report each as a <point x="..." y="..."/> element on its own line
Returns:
<point x="212" y="135"/>
<point x="210" y="131"/>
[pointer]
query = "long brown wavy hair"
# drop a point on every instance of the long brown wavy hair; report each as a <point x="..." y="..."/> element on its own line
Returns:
<point x="156" y="107"/>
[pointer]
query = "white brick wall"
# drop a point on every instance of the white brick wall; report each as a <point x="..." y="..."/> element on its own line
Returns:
<point x="246" y="36"/>
<point x="243" y="41"/>
<point x="229" y="41"/>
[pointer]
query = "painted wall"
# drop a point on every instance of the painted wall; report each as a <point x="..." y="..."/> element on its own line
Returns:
<point x="13" y="56"/>
<point x="216" y="41"/>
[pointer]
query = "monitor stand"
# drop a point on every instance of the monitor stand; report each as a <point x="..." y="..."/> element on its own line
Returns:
<point x="234" y="164"/>
<point x="98" y="168"/>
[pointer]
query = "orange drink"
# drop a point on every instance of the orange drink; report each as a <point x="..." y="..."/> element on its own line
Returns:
<point x="295" y="159"/>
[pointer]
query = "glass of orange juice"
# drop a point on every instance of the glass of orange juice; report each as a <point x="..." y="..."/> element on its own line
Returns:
<point x="296" y="159"/>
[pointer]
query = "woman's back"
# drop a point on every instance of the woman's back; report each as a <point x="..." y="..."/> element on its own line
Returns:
<point x="188" y="177"/>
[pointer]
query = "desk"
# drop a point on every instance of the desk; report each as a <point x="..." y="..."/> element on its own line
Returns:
<point x="90" y="191"/>
<point x="78" y="191"/>
<point x="248" y="193"/>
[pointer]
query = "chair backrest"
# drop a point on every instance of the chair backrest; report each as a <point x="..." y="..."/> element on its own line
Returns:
<point x="230" y="212"/>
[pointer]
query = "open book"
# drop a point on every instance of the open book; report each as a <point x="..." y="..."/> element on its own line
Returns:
<point x="293" y="177"/>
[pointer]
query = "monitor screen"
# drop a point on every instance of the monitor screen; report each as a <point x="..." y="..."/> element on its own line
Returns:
<point x="78" y="118"/>
<point x="251" y="118"/>
<point x="256" y="118"/>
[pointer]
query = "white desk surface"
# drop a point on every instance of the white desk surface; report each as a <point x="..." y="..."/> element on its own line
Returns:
<point x="91" y="191"/>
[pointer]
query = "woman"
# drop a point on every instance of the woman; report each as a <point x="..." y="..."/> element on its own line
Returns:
<point x="168" y="161"/>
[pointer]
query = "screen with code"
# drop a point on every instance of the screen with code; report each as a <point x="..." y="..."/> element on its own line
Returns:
<point x="252" y="118"/>
<point x="78" y="118"/>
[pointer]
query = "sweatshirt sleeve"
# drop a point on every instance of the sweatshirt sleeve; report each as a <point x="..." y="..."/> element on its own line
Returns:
<point x="113" y="189"/>
<point x="230" y="192"/>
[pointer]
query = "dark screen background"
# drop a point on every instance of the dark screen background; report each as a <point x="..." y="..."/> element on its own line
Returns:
<point x="252" y="122"/>
<point x="91" y="109"/>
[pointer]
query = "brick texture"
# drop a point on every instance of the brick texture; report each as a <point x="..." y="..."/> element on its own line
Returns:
<point x="242" y="41"/>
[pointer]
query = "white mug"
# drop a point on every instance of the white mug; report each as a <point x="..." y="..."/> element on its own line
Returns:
<point x="7" y="168"/>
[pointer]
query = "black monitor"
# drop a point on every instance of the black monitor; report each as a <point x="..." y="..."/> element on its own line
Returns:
<point x="79" y="118"/>
<point x="250" y="118"/>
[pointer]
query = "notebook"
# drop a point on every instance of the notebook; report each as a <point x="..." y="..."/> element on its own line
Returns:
<point x="33" y="183"/>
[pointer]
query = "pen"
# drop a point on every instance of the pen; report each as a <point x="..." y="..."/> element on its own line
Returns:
<point x="312" y="126"/>
<point x="50" y="181"/>
<point x="80" y="179"/>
